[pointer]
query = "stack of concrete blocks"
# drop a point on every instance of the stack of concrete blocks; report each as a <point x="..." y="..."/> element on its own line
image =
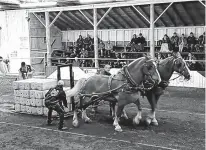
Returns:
<point x="29" y="96"/>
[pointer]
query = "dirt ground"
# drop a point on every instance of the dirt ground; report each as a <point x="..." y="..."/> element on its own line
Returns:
<point x="181" y="117"/>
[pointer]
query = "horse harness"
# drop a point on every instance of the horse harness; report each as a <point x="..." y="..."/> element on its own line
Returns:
<point x="129" y="86"/>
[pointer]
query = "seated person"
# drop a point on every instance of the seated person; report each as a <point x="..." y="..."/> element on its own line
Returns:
<point x="133" y="43"/>
<point x="80" y="41"/>
<point x="84" y="54"/>
<point x="194" y="65"/>
<point x="191" y="41"/>
<point x="165" y="44"/>
<point x="140" y="42"/>
<point x="182" y="43"/>
<point x="174" y="42"/>
<point x="88" y="42"/>
<point x="101" y="49"/>
<point x="109" y="49"/>
<point x="106" y="70"/>
<point x="201" y="43"/>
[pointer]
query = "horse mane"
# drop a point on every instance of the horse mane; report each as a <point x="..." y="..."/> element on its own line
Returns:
<point x="138" y="60"/>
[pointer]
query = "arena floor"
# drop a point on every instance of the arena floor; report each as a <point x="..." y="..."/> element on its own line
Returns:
<point x="181" y="116"/>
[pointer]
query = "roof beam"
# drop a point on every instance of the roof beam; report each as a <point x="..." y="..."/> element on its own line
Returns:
<point x="104" y="16"/>
<point x="41" y="21"/>
<point x="129" y="17"/>
<point x="72" y="21"/>
<point x="167" y="14"/>
<point x="75" y="17"/>
<point x="187" y="13"/>
<point x="199" y="14"/>
<point x="145" y="16"/>
<point x="202" y="3"/>
<point x="86" y="17"/>
<point x="140" y="18"/>
<point x="163" y="11"/>
<point x="160" y="19"/>
<point x="123" y="22"/>
<point x="91" y="16"/>
<point x="108" y="20"/>
<point x="104" y="21"/>
<point x="55" y="18"/>
<point x="114" y="20"/>
<point x="58" y="23"/>
<point x="106" y="5"/>
<point x="177" y="15"/>
<point x="64" y="22"/>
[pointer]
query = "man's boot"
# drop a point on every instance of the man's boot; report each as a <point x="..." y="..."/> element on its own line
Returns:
<point x="61" y="122"/>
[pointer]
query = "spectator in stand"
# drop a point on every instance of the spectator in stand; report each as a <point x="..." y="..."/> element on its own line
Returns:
<point x="182" y="43"/>
<point x="101" y="49"/>
<point x="201" y="43"/>
<point x="191" y="41"/>
<point x="80" y="42"/>
<point x="84" y="54"/>
<point x="117" y="63"/>
<point x="165" y="44"/>
<point x="76" y="62"/>
<point x="88" y="43"/>
<point x="141" y="42"/>
<point x="133" y="43"/>
<point x="194" y="65"/>
<point x="3" y="67"/>
<point x="175" y="42"/>
<point x="109" y="49"/>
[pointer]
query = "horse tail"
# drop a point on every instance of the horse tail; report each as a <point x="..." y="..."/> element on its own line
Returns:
<point x="76" y="89"/>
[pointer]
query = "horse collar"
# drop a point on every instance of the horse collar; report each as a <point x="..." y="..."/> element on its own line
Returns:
<point x="129" y="77"/>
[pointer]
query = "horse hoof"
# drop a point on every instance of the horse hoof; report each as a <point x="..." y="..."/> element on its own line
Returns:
<point x="88" y="120"/>
<point x="118" y="129"/>
<point x="136" y="122"/>
<point x="154" y="122"/>
<point x="148" y="121"/>
<point x="75" y="124"/>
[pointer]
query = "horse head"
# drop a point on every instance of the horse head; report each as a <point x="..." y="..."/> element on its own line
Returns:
<point x="144" y="70"/>
<point x="180" y="66"/>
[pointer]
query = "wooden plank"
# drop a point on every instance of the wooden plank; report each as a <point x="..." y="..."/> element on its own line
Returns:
<point x="48" y="39"/>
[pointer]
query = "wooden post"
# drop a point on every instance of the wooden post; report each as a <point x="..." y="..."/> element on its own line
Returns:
<point x="152" y="43"/>
<point x="95" y="38"/>
<point x="48" y="39"/>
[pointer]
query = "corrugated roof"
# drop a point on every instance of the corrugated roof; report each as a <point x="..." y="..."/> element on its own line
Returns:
<point x="178" y="14"/>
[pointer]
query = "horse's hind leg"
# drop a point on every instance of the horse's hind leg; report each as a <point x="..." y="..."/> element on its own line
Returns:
<point x="85" y="117"/>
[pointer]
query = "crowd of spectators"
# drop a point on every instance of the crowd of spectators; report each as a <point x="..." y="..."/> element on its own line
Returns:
<point x="84" y="48"/>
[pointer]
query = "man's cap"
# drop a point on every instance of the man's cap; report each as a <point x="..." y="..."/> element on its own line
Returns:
<point x="60" y="82"/>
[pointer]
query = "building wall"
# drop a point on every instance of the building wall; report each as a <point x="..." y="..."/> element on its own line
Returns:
<point x="14" y="38"/>
<point x="119" y="35"/>
<point x="38" y="42"/>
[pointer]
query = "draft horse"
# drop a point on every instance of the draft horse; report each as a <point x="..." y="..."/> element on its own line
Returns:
<point x="166" y="68"/>
<point x="123" y="88"/>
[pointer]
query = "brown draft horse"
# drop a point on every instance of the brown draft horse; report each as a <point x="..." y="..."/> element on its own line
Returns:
<point x="124" y="88"/>
<point x="165" y="67"/>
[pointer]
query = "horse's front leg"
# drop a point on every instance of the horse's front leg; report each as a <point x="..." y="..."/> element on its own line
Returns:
<point x="75" y="121"/>
<point x="85" y="117"/>
<point x="151" y="118"/>
<point x="138" y="117"/>
<point x="117" y="117"/>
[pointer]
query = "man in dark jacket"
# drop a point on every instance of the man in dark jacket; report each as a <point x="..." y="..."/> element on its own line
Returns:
<point x="191" y="41"/>
<point x="53" y="101"/>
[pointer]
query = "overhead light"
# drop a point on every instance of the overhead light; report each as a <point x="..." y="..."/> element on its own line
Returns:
<point x="40" y="4"/>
